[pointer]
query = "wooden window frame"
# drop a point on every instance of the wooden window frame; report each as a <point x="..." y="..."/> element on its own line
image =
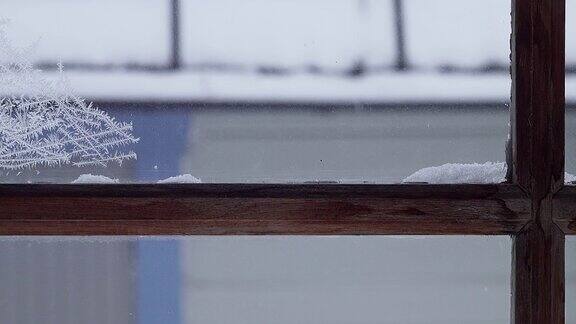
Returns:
<point x="534" y="207"/>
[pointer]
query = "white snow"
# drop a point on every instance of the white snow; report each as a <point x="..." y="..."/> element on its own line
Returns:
<point x="476" y="173"/>
<point x="330" y="33"/>
<point x="190" y="86"/>
<point x="424" y="87"/>
<point x="90" y="178"/>
<point x="184" y="178"/>
<point x="450" y="173"/>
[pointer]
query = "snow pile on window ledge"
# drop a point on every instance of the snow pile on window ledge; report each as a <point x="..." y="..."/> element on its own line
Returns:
<point x="476" y="173"/>
<point x="90" y="178"/>
<point x="569" y="178"/>
<point x="184" y="178"/>
<point x="489" y="172"/>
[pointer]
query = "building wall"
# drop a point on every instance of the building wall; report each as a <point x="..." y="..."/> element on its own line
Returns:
<point x="67" y="281"/>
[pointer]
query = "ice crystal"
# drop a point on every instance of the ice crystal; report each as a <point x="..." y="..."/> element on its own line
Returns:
<point x="42" y="122"/>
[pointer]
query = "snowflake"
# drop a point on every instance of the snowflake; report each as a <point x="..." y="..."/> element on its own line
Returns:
<point x="42" y="122"/>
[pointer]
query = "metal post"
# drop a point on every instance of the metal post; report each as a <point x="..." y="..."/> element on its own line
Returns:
<point x="401" y="60"/>
<point x="175" y="61"/>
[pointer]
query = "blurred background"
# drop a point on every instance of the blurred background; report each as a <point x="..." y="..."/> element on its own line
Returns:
<point x="286" y="91"/>
<point x="348" y="91"/>
<point x="245" y="280"/>
<point x="283" y="91"/>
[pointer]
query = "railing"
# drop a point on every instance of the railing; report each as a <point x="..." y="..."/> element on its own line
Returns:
<point x="400" y="63"/>
<point x="175" y="57"/>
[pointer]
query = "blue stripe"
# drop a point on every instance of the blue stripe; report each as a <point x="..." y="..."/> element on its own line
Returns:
<point x="163" y="137"/>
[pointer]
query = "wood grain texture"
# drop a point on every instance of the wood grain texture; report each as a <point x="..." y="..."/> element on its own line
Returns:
<point x="538" y="103"/>
<point x="538" y="276"/>
<point x="537" y="120"/>
<point x="261" y="209"/>
<point x="537" y="212"/>
<point x="564" y="210"/>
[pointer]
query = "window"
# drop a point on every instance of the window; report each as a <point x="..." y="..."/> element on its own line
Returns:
<point x="353" y="91"/>
<point x="280" y="279"/>
<point x="570" y="279"/>
<point x="570" y="86"/>
<point x="534" y="206"/>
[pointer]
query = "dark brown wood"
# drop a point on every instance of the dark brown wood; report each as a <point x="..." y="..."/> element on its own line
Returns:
<point x="537" y="119"/>
<point x="564" y="210"/>
<point x="262" y="209"/>
<point x="238" y="190"/>
<point x="537" y="111"/>
<point x="537" y="212"/>
<point x="538" y="276"/>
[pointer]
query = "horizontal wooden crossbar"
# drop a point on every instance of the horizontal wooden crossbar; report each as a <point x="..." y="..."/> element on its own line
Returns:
<point x="236" y="209"/>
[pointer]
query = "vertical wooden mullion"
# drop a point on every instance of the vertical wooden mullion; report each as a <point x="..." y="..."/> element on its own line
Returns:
<point x="538" y="276"/>
<point x="538" y="157"/>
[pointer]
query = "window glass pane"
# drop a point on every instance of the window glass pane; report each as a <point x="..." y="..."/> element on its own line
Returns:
<point x="255" y="280"/>
<point x="570" y="91"/>
<point x="571" y="279"/>
<point x="348" y="91"/>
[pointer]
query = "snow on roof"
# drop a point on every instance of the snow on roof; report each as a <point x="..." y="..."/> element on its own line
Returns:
<point x="425" y="87"/>
<point x="287" y="33"/>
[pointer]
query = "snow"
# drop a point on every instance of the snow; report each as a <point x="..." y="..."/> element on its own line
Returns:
<point x="217" y="87"/>
<point x="275" y="32"/>
<point x="329" y="33"/>
<point x="476" y="173"/>
<point x="423" y="87"/>
<point x="451" y="173"/>
<point x="184" y="178"/>
<point x="97" y="179"/>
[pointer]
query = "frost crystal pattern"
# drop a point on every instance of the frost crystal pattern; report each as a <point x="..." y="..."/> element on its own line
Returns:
<point x="43" y="123"/>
